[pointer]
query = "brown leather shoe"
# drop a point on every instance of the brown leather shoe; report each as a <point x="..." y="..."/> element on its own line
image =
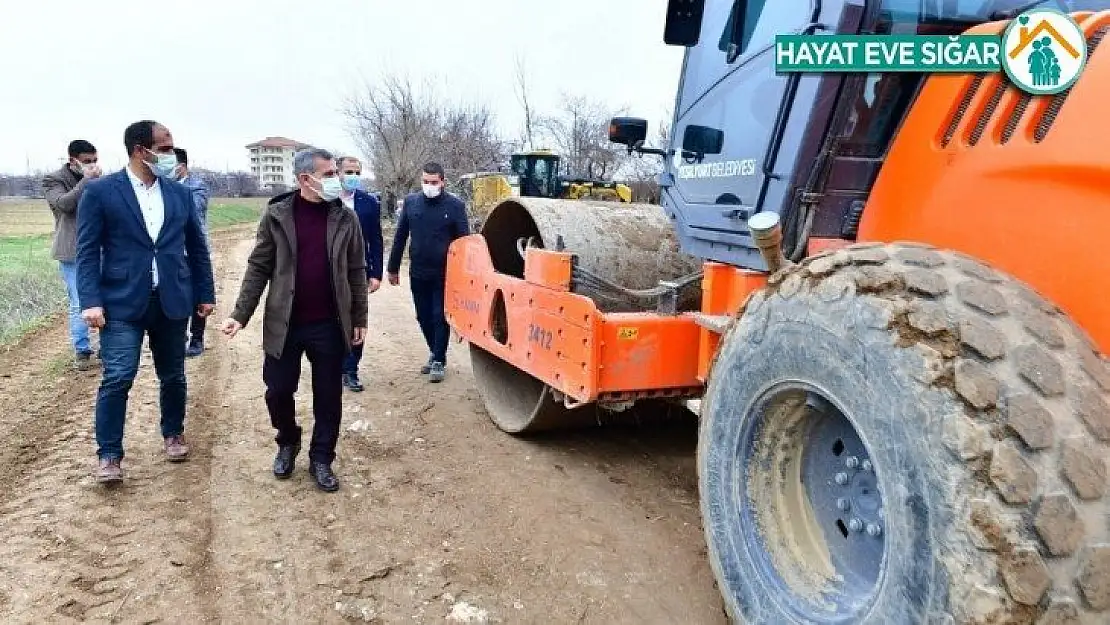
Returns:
<point x="176" y="449"/>
<point x="108" y="470"/>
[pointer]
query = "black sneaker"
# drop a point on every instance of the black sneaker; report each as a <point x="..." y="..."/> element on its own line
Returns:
<point x="438" y="372"/>
<point x="350" y="380"/>
<point x="325" y="478"/>
<point x="427" y="368"/>
<point x="83" y="361"/>
<point x="195" y="348"/>
<point x="285" y="461"/>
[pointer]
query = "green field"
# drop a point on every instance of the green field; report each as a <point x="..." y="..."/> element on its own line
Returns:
<point x="31" y="288"/>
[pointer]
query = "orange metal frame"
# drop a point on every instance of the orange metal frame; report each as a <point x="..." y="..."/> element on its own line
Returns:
<point x="563" y="339"/>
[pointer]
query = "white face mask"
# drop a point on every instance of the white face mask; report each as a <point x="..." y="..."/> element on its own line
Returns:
<point x="84" y="168"/>
<point x="430" y="190"/>
<point x="330" y="188"/>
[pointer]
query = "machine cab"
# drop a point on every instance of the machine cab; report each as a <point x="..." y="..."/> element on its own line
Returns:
<point x="809" y="147"/>
<point x="537" y="173"/>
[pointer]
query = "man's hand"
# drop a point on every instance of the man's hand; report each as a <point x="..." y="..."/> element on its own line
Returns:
<point x="94" y="317"/>
<point x="92" y="171"/>
<point x="359" y="337"/>
<point x="231" y="327"/>
<point x="394" y="279"/>
<point x="178" y="172"/>
<point x="374" y="285"/>
<point x="204" y="310"/>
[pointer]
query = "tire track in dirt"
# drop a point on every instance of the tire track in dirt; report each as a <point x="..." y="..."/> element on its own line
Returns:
<point x="439" y="511"/>
<point x="72" y="550"/>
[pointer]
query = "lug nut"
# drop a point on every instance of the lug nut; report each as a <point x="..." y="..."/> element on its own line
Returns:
<point x="855" y="525"/>
<point x="842" y="504"/>
<point x="852" y="462"/>
<point x="866" y="465"/>
<point x="841" y="478"/>
<point x="874" y="529"/>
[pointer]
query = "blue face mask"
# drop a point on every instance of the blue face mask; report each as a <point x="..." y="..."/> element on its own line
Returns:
<point x="351" y="182"/>
<point x="165" y="164"/>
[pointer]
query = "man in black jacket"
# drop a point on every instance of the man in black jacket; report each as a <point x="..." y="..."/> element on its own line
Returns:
<point x="434" y="218"/>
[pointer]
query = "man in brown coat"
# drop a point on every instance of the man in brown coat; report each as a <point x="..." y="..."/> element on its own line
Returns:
<point x="310" y="250"/>
<point x="63" y="190"/>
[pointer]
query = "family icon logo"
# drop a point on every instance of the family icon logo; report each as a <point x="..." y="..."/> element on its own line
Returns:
<point x="1045" y="51"/>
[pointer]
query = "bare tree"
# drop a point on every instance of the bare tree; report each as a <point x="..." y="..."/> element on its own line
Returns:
<point x="522" y="96"/>
<point x="393" y="127"/>
<point x="580" y="132"/>
<point x="399" y="128"/>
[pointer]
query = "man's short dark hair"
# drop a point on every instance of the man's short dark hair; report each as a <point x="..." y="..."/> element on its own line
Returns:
<point x="80" y="146"/>
<point x="182" y="156"/>
<point x="139" y="134"/>
<point x="434" y="169"/>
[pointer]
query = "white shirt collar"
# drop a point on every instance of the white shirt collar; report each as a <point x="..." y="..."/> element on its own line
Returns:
<point x="136" y="181"/>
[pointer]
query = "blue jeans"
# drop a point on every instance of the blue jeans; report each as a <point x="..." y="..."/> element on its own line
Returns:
<point x="78" y="331"/>
<point x="121" y="345"/>
<point x="427" y="297"/>
<point x="350" y="364"/>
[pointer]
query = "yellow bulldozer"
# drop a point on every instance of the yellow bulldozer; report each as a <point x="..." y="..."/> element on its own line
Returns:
<point x="534" y="174"/>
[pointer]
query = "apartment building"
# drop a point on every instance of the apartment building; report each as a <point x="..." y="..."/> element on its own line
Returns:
<point x="272" y="161"/>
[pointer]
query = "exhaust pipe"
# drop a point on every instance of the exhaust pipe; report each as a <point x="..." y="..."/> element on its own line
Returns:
<point x="767" y="235"/>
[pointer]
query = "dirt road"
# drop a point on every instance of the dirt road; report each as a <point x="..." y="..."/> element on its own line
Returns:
<point x="441" y="518"/>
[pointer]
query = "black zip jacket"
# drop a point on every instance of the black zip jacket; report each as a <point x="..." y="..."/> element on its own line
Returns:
<point x="433" y="224"/>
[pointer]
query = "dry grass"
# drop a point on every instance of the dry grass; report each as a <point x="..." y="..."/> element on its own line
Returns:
<point x="31" y="287"/>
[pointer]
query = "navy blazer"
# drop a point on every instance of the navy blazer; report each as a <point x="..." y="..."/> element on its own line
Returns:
<point x="370" y="219"/>
<point x="115" y="251"/>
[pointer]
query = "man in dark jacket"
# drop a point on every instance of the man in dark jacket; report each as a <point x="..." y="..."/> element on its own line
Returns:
<point x="63" y="190"/>
<point x="199" y="191"/>
<point x="142" y="269"/>
<point x="310" y="251"/>
<point x="369" y="218"/>
<point x="434" y="218"/>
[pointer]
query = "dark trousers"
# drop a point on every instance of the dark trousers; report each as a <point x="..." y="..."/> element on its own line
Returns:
<point x="121" y="345"/>
<point x="325" y="347"/>
<point x="350" y="365"/>
<point x="427" y="297"/>
<point x="196" y="328"/>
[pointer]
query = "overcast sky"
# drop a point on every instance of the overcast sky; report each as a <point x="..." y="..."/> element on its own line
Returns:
<point x="223" y="73"/>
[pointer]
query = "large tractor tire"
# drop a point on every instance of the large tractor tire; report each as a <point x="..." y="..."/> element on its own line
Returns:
<point x="896" y="435"/>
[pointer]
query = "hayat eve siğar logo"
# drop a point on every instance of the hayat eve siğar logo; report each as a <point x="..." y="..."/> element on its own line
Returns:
<point x="1044" y="51"/>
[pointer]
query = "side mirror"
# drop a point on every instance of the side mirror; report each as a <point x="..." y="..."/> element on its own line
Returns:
<point x="629" y="131"/>
<point x="702" y="140"/>
<point x="683" y="26"/>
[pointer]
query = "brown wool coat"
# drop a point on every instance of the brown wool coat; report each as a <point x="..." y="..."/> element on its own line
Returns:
<point x="273" y="262"/>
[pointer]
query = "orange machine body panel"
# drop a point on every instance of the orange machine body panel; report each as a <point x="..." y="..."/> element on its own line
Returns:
<point x="1021" y="182"/>
<point x="724" y="290"/>
<point x="562" y="338"/>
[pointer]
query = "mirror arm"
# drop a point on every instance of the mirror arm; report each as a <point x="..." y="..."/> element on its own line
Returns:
<point x="639" y="148"/>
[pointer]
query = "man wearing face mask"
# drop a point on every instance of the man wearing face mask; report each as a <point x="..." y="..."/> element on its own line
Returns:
<point x="310" y="251"/>
<point x="366" y="208"/>
<point x="142" y="269"/>
<point x="63" y="190"/>
<point x="199" y="192"/>
<point x="434" y="218"/>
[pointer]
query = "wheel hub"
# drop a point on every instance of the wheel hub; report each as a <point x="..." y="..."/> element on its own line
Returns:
<point x="843" y="488"/>
<point x="839" y="494"/>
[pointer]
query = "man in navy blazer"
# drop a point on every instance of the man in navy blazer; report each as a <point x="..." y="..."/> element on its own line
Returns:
<point x="369" y="218"/>
<point x="143" y="267"/>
